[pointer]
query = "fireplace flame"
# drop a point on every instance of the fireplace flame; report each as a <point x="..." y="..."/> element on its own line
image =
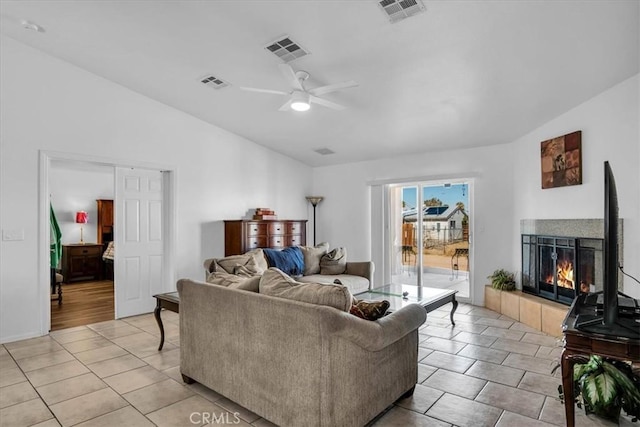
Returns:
<point x="564" y="275"/>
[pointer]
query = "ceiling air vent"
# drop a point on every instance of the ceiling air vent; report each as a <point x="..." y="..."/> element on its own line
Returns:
<point x="214" y="82"/>
<point x="324" y="151"/>
<point x="397" y="10"/>
<point x="286" y="49"/>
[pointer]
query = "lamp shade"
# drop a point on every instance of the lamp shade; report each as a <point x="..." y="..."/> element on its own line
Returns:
<point x="314" y="200"/>
<point x="82" y="217"/>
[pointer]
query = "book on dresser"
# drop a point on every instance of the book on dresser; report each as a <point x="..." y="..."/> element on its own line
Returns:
<point x="243" y="235"/>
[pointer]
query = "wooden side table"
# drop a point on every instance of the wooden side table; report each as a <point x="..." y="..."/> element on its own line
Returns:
<point x="169" y="301"/>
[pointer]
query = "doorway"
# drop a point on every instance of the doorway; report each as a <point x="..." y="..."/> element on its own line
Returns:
<point x="162" y="213"/>
<point x="429" y="242"/>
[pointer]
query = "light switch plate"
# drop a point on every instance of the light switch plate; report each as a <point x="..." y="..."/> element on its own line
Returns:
<point x="9" y="235"/>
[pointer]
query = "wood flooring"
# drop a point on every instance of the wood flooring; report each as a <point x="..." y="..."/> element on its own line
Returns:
<point x="82" y="304"/>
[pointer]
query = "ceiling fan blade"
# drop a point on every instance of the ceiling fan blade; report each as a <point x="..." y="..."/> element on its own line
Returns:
<point x="326" y="103"/>
<point x="290" y="75"/>
<point x="274" y="92"/>
<point x="286" y="106"/>
<point x="332" y="88"/>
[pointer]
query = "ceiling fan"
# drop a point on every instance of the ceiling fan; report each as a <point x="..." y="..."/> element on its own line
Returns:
<point x="300" y="98"/>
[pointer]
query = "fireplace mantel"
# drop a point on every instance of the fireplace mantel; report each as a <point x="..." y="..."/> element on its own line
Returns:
<point x="590" y="228"/>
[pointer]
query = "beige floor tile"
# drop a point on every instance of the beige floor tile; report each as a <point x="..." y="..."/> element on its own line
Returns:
<point x="88" y="406"/>
<point x="71" y="387"/>
<point x="55" y="373"/>
<point x="16" y="393"/>
<point x="475" y="339"/>
<point x="49" y="423"/>
<point x="185" y="412"/>
<point x="142" y="344"/>
<point x="169" y="329"/>
<point x="541" y="340"/>
<point x="86" y="345"/>
<point x="45" y="346"/>
<point x="135" y="379"/>
<point x="78" y="335"/>
<point x="164" y="359"/>
<point x="517" y="326"/>
<point x="126" y="416"/>
<point x="28" y="342"/>
<point x="263" y="423"/>
<point x="118" y="331"/>
<point x="100" y="354"/>
<point x="7" y="362"/>
<point x="443" y="345"/>
<point x="435" y="331"/>
<point x="492" y="331"/>
<point x="509" y="419"/>
<point x="44" y="360"/>
<point x="205" y="392"/>
<point x="9" y="376"/>
<point x="463" y="412"/>
<point x="25" y="414"/>
<point x="140" y="321"/>
<point x="423" y="398"/>
<point x="400" y="417"/>
<point x="157" y="396"/>
<point x="470" y="327"/>
<point x="448" y="361"/>
<point x="483" y="353"/>
<point x="496" y="373"/>
<point x="511" y="399"/>
<point x="60" y="332"/>
<point x="551" y="353"/>
<point x="454" y="383"/>
<point x="483" y="312"/>
<point x="515" y="346"/>
<point x="424" y="372"/>
<point x="494" y="322"/>
<point x="528" y="363"/>
<point x="553" y="412"/>
<point x="108" y="324"/>
<point x="234" y="408"/>
<point x="109" y="367"/>
<point x="423" y="352"/>
<point x="543" y="384"/>
<point x="174" y="373"/>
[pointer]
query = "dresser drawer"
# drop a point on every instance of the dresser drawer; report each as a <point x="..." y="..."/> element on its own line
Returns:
<point x="293" y="240"/>
<point x="256" y="229"/>
<point x="276" y="241"/>
<point x="276" y="229"/>
<point x="84" y="250"/>
<point x="257" y="242"/>
<point x="293" y="228"/>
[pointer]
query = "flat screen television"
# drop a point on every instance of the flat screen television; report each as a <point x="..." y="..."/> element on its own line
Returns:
<point x="610" y="311"/>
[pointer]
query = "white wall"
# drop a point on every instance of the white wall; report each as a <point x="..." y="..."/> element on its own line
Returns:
<point x="610" y="131"/>
<point x="345" y="216"/>
<point x="48" y="104"/>
<point x="74" y="190"/>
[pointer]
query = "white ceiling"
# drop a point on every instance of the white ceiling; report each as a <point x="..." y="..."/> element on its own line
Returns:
<point x="462" y="74"/>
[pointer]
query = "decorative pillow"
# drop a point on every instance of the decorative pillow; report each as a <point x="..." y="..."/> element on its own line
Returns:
<point x="369" y="310"/>
<point x="334" y="262"/>
<point x="289" y="260"/>
<point x="276" y="283"/>
<point x="312" y="256"/>
<point x="251" y="283"/>
<point x="252" y="263"/>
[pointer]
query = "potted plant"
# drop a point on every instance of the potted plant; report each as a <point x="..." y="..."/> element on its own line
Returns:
<point x="503" y="280"/>
<point x="605" y="386"/>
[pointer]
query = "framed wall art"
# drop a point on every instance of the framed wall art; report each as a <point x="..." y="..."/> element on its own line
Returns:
<point x="561" y="160"/>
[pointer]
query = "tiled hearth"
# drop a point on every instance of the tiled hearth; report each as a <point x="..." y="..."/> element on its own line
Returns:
<point x="487" y="370"/>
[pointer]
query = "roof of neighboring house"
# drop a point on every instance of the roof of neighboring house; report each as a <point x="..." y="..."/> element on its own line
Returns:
<point x="433" y="213"/>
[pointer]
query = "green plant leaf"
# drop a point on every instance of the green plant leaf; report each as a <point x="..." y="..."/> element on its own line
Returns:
<point x="579" y="370"/>
<point x="629" y="389"/>
<point x="599" y="390"/>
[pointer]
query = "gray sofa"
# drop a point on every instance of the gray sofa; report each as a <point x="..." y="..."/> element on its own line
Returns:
<point x="295" y="363"/>
<point x="358" y="276"/>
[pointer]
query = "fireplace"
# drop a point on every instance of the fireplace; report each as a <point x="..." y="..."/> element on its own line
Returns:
<point x="560" y="268"/>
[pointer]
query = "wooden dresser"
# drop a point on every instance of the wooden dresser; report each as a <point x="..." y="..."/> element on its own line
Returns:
<point x="105" y="221"/>
<point x="242" y="235"/>
<point x="81" y="262"/>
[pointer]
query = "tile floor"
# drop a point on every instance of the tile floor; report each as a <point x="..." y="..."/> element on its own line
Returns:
<point x="488" y="370"/>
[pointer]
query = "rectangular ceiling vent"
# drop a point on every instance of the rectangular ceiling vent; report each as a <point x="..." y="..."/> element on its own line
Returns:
<point x="214" y="82"/>
<point x="397" y="10"/>
<point x="286" y="49"/>
<point x="324" y="151"/>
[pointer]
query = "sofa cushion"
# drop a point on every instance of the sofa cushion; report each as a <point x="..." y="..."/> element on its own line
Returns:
<point x="355" y="284"/>
<point x="334" y="262"/>
<point x="312" y="256"/>
<point x="276" y="283"/>
<point x="289" y="260"/>
<point x="250" y="263"/>
<point x="222" y="278"/>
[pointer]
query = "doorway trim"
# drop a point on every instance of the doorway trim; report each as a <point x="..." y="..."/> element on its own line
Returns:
<point x="45" y="157"/>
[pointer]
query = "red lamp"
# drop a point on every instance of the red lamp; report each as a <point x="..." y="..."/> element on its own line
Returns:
<point x="81" y="218"/>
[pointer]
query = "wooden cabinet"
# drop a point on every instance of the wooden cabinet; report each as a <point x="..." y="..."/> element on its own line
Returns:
<point x="81" y="262"/>
<point x="105" y="221"/>
<point x="243" y="235"/>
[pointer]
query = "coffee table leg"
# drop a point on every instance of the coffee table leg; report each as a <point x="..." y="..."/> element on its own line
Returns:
<point x="453" y="309"/>
<point x="156" y="313"/>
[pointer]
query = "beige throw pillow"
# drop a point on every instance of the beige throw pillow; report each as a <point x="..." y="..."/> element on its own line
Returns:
<point x="275" y="283"/>
<point x="250" y="263"/>
<point x="235" y="282"/>
<point x="312" y="256"/>
<point x="334" y="262"/>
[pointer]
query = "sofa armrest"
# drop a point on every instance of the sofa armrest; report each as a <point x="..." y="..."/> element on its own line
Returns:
<point x="374" y="336"/>
<point x="209" y="265"/>
<point x="363" y="269"/>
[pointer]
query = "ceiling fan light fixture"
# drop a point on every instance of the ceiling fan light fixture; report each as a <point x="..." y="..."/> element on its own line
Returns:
<point x="300" y="101"/>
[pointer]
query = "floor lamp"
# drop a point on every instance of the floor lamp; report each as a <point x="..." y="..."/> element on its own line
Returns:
<point x="314" y="200"/>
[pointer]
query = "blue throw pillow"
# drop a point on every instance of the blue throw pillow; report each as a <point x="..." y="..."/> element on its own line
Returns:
<point x="289" y="260"/>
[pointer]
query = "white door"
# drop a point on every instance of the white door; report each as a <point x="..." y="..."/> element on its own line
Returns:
<point x="138" y="240"/>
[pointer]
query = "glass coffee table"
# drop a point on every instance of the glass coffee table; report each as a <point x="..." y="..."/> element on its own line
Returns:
<point x="402" y="295"/>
